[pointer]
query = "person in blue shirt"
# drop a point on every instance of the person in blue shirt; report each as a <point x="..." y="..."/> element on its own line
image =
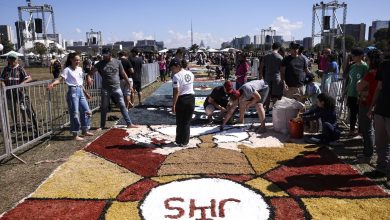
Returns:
<point x="326" y="112"/>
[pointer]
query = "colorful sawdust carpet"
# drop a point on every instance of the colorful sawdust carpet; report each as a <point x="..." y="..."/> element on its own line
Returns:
<point x="139" y="174"/>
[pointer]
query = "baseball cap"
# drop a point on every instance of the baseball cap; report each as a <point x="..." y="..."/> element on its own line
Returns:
<point x="106" y="51"/>
<point x="12" y="56"/>
<point x="228" y="86"/>
<point x="235" y="93"/>
<point x="175" y="62"/>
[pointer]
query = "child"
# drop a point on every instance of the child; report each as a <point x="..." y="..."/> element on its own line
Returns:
<point x="312" y="89"/>
<point x="311" y="93"/>
<point x="326" y="111"/>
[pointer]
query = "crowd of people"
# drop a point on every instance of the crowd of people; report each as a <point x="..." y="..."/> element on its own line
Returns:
<point x="281" y="74"/>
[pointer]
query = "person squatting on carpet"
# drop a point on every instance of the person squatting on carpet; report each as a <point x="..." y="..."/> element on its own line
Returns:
<point x="79" y="111"/>
<point x="253" y="93"/>
<point x="109" y="69"/>
<point x="326" y="111"/>
<point x="183" y="100"/>
<point x="219" y="99"/>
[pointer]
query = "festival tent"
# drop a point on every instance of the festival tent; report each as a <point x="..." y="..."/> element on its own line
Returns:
<point x="12" y="52"/>
<point x="211" y="50"/>
<point x="163" y="51"/>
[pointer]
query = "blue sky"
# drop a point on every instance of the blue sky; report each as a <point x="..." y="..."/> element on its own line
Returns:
<point x="214" y="21"/>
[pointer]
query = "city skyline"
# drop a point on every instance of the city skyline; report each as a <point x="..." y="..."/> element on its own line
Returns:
<point x="213" y="22"/>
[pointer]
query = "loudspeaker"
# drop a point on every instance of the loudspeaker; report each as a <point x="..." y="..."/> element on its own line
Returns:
<point x="38" y="25"/>
<point x="326" y="23"/>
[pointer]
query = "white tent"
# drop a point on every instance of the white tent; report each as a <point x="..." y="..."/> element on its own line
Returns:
<point x="31" y="54"/>
<point x="12" y="52"/>
<point x="163" y="51"/>
<point x="211" y="50"/>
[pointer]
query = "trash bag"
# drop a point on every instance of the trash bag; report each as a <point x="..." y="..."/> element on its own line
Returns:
<point x="283" y="111"/>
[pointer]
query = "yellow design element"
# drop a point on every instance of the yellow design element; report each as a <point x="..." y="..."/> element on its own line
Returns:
<point x="86" y="176"/>
<point x="266" y="187"/>
<point x="167" y="179"/>
<point x="330" y="208"/>
<point x="123" y="210"/>
<point x="264" y="159"/>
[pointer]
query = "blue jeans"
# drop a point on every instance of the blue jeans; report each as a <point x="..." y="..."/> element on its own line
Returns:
<point x="79" y="112"/>
<point x="118" y="96"/>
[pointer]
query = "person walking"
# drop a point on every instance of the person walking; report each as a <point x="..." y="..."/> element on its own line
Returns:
<point x="271" y="64"/>
<point x="163" y="68"/>
<point x="128" y="92"/>
<point x="183" y="100"/>
<point x="109" y="69"/>
<point x="78" y="108"/>
<point x="137" y="62"/>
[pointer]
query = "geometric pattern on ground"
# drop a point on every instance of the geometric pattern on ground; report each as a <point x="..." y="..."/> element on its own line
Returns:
<point x="112" y="177"/>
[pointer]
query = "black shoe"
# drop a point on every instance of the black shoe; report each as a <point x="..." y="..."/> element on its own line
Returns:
<point x="221" y="128"/>
<point x="375" y="174"/>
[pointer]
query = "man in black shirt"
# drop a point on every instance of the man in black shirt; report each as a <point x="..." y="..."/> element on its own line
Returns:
<point x="137" y="62"/>
<point x="218" y="99"/>
<point x="293" y="73"/>
<point x="127" y="90"/>
<point x="381" y="105"/>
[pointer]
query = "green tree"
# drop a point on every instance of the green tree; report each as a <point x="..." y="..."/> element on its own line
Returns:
<point x="194" y="48"/>
<point x="382" y="37"/>
<point x="8" y="46"/>
<point x="349" y="43"/>
<point x="382" y="34"/>
<point x="40" y="48"/>
<point x="248" y="48"/>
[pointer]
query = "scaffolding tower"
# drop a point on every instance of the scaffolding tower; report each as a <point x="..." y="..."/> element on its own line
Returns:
<point x="36" y="23"/>
<point x="94" y="38"/>
<point x="329" y="31"/>
<point x="264" y="34"/>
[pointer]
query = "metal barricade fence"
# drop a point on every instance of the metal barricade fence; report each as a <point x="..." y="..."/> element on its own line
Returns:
<point x="29" y="112"/>
<point x="150" y="72"/>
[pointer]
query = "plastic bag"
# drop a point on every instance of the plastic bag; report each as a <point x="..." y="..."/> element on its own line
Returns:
<point x="283" y="111"/>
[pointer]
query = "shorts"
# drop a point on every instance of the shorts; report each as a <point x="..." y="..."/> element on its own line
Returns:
<point x="137" y="86"/>
<point x="125" y="87"/>
<point x="263" y="95"/>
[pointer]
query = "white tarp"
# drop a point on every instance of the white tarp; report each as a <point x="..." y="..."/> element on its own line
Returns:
<point x="283" y="111"/>
<point x="12" y="52"/>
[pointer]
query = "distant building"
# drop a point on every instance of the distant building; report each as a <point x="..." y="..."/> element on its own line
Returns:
<point x="201" y="45"/>
<point x="308" y="43"/>
<point x="126" y="45"/>
<point x="160" y="45"/>
<point x="300" y="42"/>
<point x="357" y="31"/>
<point x="278" y="39"/>
<point x="377" y="25"/>
<point x="149" y="45"/>
<point x="78" y="43"/>
<point x="55" y="37"/>
<point x="6" y="32"/>
<point x="226" y="44"/>
<point x="240" y="43"/>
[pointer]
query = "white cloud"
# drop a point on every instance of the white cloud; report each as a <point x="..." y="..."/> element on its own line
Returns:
<point x="140" y="36"/>
<point x="179" y="39"/>
<point x="78" y="30"/>
<point x="285" y="27"/>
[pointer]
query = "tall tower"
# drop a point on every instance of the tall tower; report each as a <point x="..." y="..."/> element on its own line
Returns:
<point x="192" y="35"/>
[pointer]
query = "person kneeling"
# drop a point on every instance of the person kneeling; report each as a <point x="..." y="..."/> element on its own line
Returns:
<point x="326" y="111"/>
